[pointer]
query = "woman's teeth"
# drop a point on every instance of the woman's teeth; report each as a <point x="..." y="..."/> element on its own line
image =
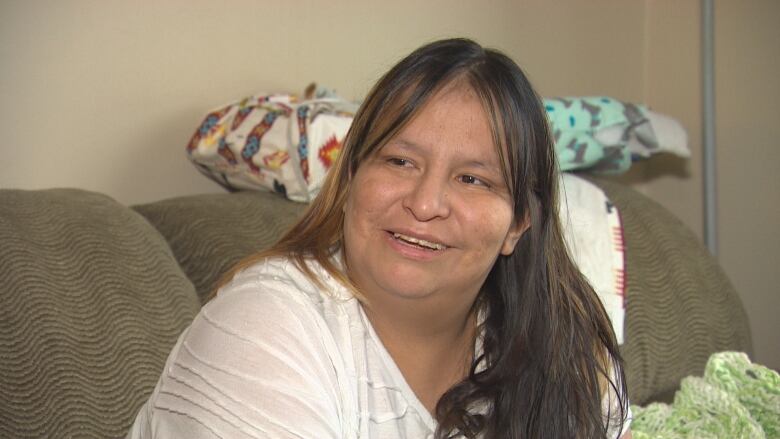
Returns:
<point x="420" y="242"/>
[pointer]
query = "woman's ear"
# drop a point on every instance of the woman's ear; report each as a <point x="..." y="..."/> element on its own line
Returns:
<point x="513" y="235"/>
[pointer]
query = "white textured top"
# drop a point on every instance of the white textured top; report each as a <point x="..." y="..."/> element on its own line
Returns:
<point x="274" y="356"/>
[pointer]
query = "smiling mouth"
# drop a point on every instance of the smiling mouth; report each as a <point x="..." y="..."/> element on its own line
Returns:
<point x="421" y="243"/>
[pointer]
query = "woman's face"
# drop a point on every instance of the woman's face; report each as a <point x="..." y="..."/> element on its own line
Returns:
<point x="428" y="213"/>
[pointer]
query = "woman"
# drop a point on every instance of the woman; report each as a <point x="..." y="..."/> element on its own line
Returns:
<point x="426" y="292"/>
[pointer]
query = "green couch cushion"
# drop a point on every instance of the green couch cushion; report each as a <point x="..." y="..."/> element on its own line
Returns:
<point x="209" y="234"/>
<point x="92" y="302"/>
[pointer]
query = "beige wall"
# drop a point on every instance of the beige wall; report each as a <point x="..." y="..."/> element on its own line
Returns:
<point x="672" y="85"/>
<point x="104" y="94"/>
<point x="747" y="77"/>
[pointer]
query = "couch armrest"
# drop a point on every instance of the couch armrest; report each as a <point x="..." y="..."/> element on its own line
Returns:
<point x="92" y="303"/>
<point x="680" y="306"/>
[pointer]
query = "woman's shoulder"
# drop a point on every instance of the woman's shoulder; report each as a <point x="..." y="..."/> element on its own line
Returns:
<point x="261" y="348"/>
<point x="278" y="284"/>
<point x="270" y="300"/>
<point x="275" y="302"/>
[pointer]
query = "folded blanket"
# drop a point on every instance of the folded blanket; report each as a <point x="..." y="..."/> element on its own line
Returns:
<point x="735" y="399"/>
<point x="594" y="238"/>
<point x="280" y="143"/>
<point x="604" y="135"/>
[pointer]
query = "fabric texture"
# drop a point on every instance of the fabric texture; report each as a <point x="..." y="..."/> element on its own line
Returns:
<point x="594" y="238"/>
<point x="209" y="234"/>
<point x="92" y="301"/>
<point x="680" y="306"/>
<point x="272" y="142"/>
<point x="604" y="135"/>
<point x="277" y="142"/>
<point x="274" y="355"/>
<point x="734" y="399"/>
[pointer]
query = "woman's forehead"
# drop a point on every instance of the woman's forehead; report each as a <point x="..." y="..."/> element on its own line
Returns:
<point x="462" y="86"/>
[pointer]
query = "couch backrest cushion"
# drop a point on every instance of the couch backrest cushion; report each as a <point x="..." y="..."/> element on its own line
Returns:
<point x="210" y="233"/>
<point x="681" y="307"/>
<point x="91" y="302"/>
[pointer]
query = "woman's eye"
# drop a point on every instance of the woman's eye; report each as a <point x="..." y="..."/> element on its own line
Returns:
<point x="398" y="162"/>
<point x="470" y="179"/>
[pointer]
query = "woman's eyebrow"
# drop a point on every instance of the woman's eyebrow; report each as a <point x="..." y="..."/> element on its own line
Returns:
<point x="408" y="145"/>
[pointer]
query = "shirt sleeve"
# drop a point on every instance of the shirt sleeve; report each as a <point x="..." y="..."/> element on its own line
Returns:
<point x="255" y="363"/>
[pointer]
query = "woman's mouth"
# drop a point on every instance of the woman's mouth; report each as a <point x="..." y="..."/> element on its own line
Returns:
<point x="417" y="242"/>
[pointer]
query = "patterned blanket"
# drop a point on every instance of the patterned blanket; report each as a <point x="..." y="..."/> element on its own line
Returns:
<point x="604" y="135"/>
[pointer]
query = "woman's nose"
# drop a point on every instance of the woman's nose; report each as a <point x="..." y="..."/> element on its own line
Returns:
<point x="428" y="198"/>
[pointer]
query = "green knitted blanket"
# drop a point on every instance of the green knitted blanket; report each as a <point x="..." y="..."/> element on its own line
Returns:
<point x="735" y="399"/>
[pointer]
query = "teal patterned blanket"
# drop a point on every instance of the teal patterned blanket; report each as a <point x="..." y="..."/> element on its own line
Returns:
<point x="599" y="133"/>
<point x="734" y="399"/>
<point x="604" y="135"/>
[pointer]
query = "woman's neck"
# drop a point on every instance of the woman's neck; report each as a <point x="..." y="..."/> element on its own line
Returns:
<point x="433" y="352"/>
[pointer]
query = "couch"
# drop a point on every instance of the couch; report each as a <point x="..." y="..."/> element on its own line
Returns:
<point x="94" y="294"/>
